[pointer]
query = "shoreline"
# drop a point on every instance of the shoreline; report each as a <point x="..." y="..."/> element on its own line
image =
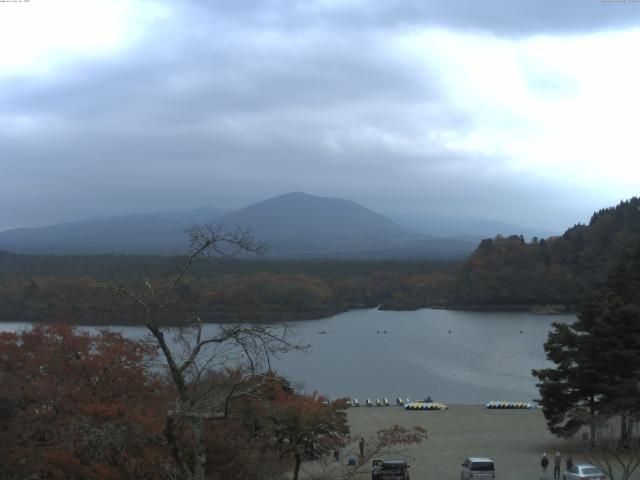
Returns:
<point x="291" y="317"/>
<point x="536" y="309"/>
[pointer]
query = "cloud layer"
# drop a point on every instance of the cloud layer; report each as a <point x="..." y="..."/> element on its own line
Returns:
<point x="521" y="112"/>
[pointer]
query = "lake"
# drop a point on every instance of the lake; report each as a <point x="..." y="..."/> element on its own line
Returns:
<point x="486" y="356"/>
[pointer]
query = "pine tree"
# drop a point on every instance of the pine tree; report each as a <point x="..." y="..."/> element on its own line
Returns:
<point x="597" y="372"/>
<point x="569" y="395"/>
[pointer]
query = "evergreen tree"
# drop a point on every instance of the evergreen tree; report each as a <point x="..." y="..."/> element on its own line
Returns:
<point x="597" y="359"/>
<point x="569" y="395"/>
<point x="616" y="326"/>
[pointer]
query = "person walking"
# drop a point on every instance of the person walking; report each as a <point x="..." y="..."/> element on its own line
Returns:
<point x="557" y="461"/>
<point x="361" y="445"/>
<point x="544" y="463"/>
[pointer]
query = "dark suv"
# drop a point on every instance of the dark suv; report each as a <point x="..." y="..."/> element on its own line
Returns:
<point x="390" y="470"/>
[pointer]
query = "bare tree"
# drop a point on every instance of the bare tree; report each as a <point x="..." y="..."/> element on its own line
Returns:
<point x="616" y="450"/>
<point x="191" y="350"/>
<point x="390" y="441"/>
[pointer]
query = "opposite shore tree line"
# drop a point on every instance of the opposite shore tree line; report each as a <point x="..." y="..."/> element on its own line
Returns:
<point x="555" y="274"/>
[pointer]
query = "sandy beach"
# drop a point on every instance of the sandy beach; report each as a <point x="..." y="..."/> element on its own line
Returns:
<point x="514" y="439"/>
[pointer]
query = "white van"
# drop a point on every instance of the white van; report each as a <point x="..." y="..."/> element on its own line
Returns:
<point x="477" y="468"/>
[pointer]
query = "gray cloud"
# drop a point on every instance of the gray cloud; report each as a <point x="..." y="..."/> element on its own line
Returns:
<point x="232" y="102"/>
<point x="498" y="16"/>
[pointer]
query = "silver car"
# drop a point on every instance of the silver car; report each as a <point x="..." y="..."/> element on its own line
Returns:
<point x="477" y="468"/>
<point x="584" y="471"/>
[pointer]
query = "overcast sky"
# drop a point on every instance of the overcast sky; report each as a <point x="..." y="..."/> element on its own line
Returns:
<point x="523" y="111"/>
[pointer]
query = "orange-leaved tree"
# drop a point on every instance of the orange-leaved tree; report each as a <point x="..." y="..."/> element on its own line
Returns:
<point x="79" y="406"/>
<point x="302" y="425"/>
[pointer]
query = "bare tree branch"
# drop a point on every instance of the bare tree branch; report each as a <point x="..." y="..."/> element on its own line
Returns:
<point x="617" y="457"/>
<point x="189" y="353"/>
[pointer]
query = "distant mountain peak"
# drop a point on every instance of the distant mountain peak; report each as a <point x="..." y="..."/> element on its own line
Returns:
<point x="295" y="224"/>
<point x="299" y="214"/>
<point x="303" y="196"/>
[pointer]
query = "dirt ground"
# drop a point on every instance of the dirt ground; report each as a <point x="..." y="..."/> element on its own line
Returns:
<point x="513" y="439"/>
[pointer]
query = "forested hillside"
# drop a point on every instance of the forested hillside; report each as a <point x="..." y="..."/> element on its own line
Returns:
<point x="562" y="270"/>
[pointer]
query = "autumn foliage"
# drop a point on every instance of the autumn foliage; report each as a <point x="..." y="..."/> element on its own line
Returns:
<point x="79" y="406"/>
<point x="305" y="425"/>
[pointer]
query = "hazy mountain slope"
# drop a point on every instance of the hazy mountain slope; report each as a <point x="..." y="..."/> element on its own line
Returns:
<point x="145" y="233"/>
<point x="294" y="225"/>
<point x="302" y="225"/>
<point x="476" y="228"/>
<point x="301" y="215"/>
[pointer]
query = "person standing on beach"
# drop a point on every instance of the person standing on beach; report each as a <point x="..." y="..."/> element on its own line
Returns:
<point x="557" y="461"/>
<point x="544" y="463"/>
<point x="361" y="445"/>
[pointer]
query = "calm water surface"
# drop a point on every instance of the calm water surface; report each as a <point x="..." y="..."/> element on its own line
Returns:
<point x="485" y="357"/>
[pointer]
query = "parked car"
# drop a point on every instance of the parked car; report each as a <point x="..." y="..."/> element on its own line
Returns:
<point x="376" y="469"/>
<point x="477" y="468"/>
<point x="390" y="470"/>
<point x="585" y="471"/>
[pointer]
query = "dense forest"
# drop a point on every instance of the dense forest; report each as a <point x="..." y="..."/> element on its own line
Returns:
<point x="546" y="275"/>
<point x="563" y="271"/>
<point x="51" y="288"/>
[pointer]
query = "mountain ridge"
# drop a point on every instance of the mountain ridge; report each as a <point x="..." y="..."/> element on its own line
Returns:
<point x="294" y="225"/>
<point x="113" y="234"/>
<point x="266" y="217"/>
